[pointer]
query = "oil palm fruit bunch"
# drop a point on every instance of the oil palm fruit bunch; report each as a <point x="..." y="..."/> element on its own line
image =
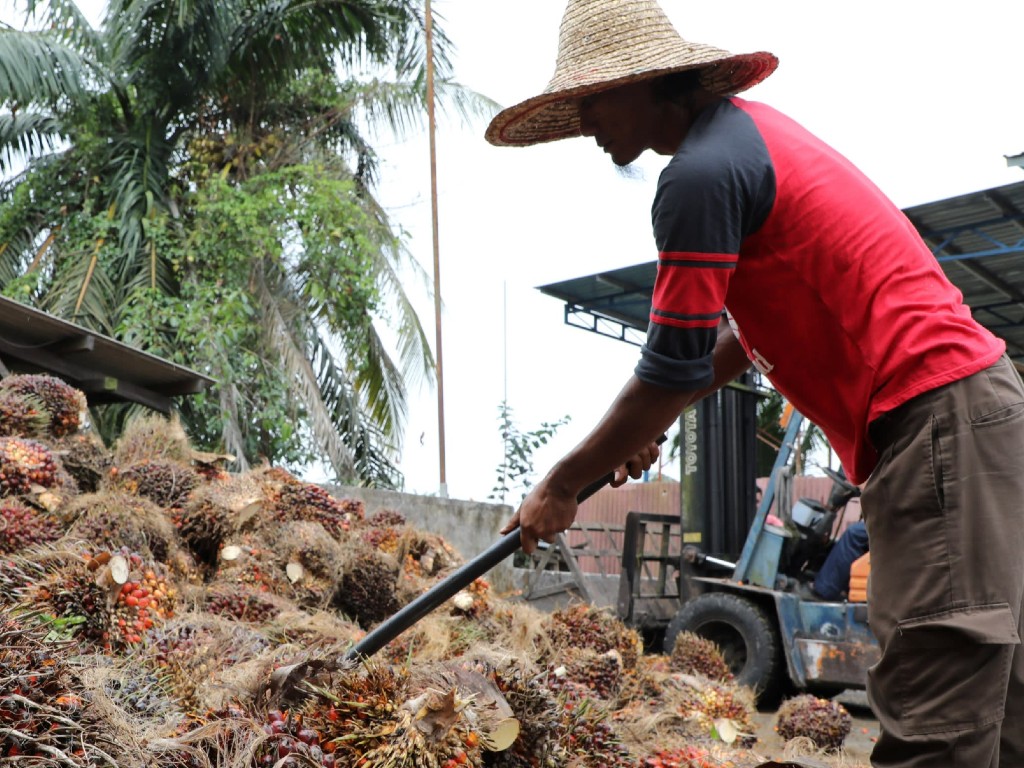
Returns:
<point x="166" y="483"/>
<point x="313" y="563"/>
<point x="717" y="702"/>
<point x="367" y="590"/>
<point x="22" y="415"/>
<point x="22" y="527"/>
<point x="696" y="655"/>
<point x="203" y="525"/>
<point x="244" y="603"/>
<point x="68" y="592"/>
<point x="189" y="649"/>
<point x="112" y="520"/>
<point x="146" y="600"/>
<point x="152" y="437"/>
<point x="586" y="737"/>
<point x="352" y="714"/>
<point x="825" y="722"/>
<point x="540" y="718"/>
<point x="62" y="403"/>
<point x="599" y="673"/>
<point x="41" y="715"/>
<point x="585" y="626"/>
<point x="24" y="464"/>
<point x="85" y="458"/>
<point x="386" y="518"/>
<point x="383" y="539"/>
<point x="306" y="501"/>
<point x="251" y="564"/>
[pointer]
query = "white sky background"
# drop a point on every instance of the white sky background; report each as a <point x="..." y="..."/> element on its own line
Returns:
<point x="923" y="95"/>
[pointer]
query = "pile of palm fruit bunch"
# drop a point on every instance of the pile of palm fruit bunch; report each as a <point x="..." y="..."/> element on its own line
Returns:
<point x="158" y="610"/>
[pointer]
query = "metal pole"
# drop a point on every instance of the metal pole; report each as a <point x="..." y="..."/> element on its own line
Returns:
<point x="437" y="257"/>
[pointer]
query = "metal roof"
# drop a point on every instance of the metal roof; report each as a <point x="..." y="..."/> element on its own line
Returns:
<point x="978" y="239"/>
<point x="106" y="370"/>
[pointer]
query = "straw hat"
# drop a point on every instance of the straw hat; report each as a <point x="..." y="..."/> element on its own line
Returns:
<point x="603" y="44"/>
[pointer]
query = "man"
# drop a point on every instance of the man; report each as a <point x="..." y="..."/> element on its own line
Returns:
<point x="832" y="581"/>
<point x="831" y="293"/>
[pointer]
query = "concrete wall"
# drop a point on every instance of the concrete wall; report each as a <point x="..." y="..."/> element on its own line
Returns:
<point x="469" y="526"/>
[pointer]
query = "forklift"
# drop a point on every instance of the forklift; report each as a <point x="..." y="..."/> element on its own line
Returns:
<point x="757" y="607"/>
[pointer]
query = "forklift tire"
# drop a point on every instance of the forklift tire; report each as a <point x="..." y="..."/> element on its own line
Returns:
<point x="747" y="638"/>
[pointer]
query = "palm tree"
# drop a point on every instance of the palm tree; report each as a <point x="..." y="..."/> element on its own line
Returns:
<point x="129" y="133"/>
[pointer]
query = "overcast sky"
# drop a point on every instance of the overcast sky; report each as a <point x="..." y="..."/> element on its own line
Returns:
<point x="923" y="95"/>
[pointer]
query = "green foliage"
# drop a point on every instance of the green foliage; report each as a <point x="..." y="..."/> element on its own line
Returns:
<point x="770" y="433"/>
<point x="196" y="182"/>
<point x="515" y="473"/>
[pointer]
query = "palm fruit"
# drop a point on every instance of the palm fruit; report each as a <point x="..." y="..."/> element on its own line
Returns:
<point x="68" y="592"/>
<point x="42" y="717"/>
<point x="190" y="649"/>
<point x="166" y="483"/>
<point x="22" y="416"/>
<point x="537" y="710"/>
<point x="62" y="403"/>
<point x="251" y="564"/>
<point x="586" y="737"/>
<point x="244" y="603"/>
<point x="367" y="590"/>
<point x="690" y="756"/>
<point x="386" y="518"/>
<point x="113" y="520"/>
<point x="599" y="674"/>
<point x="824" y="722"/>
<point x="143" y="602"/>
<point x="203" y="525"/>
<point x="291" y="499"/>
<point x="313" y="563"/>
<point x="696" y="655"/>
<point x="22" y="527"/>
<point x="716" y="702"/>
<point x="585" y="626"/>
<point x="26" y="463"/>
<point x="152" y="437"/>
<point x="375" y="717"/>
<point x="85" y="458"/>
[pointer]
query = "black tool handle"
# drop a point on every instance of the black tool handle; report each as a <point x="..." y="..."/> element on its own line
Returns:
<point x="452" y="584"/>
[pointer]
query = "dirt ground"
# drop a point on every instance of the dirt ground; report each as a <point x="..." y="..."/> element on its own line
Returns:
<point x="858" y="745"/>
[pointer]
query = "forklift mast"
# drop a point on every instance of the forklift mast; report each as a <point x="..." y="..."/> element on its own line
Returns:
<point x="718" y="479"/>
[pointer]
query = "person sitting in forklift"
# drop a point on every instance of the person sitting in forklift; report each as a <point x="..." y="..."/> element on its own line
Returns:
<point x="828" y="289"/>
<point x="832" y="581"/>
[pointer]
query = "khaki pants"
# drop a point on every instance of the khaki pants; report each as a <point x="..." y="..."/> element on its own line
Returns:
<point x="945" y="515"/>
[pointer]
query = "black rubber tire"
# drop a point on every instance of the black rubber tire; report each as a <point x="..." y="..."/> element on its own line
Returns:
<point x="743" y="632"/>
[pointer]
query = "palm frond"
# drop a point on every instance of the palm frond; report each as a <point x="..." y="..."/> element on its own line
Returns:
<point x="295" y="361"/>
<point x="67" y="22"/>
<point x="25" y="134"/>
<point x="38" y="68"/>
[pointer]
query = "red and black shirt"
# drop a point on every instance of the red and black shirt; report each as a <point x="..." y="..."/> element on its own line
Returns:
<point x="831" y="290"/>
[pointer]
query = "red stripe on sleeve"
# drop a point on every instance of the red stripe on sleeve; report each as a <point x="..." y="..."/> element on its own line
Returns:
<point x="687" y="290"/>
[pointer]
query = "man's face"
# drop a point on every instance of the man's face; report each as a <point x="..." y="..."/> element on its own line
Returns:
<point x="622" y="121"/>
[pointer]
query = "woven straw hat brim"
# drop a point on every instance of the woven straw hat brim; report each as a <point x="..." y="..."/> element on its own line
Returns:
<point x="603" y="44"/>
<point x="554" y="115"/>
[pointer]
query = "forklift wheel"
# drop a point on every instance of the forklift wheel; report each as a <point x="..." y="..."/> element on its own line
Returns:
<point x="742" y="631"/>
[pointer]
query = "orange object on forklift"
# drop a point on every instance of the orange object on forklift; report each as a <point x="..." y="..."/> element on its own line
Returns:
<point x="859" y="572"/>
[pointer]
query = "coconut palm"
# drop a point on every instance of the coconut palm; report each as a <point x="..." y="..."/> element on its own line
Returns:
<point x="120" y="143"/>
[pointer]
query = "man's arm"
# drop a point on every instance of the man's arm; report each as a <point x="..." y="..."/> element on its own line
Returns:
<point x="623" y="439"/>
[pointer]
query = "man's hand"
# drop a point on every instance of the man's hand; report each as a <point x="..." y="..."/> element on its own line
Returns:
<point x="636" y="466"/>
<point x="545" y="512"/>
<point x="551" y="507"/>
